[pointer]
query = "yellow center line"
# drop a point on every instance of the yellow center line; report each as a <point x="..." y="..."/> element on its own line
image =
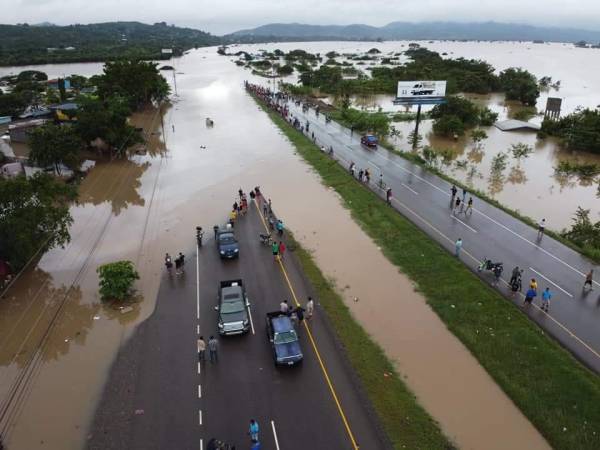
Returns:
<point x="314" y="346"/>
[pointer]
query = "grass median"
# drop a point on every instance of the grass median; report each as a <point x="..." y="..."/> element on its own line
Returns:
<point x="558" y="395"/>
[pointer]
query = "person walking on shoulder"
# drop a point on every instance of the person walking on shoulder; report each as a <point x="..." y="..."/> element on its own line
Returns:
<point x="589" y="281"/>
<point x="310" y="308"/>
<point x="388" y="196"/>
<point x="469" y="206"/>
<point x="201" y="348"/>
<point x="458" y="247"/>
<point x="253" y="430"/>
<point x="279" y="227"/>
<point x="541" y="228"/>
<point x="453" y="190"/>
<point x="464" y="195"/>
<point x="546" y="296"/>
<point x="529" y="296"/>
<point x="456" y="205"/>
<point x="275" y="250"/>
<point x="213" y="349"/>
<point x="281" y="249"/>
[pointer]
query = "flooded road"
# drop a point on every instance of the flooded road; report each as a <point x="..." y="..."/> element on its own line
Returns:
<point x="58" y="340"/>
<point x="530" y="186"/>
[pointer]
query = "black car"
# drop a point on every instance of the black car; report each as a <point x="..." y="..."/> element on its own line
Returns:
<point x="284" y="339"/>
<point x="227" y="244"/>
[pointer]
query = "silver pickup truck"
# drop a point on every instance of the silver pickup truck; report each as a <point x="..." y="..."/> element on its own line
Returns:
<point x="234" y="315"/>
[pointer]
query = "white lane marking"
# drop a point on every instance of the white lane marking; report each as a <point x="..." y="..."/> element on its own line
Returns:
<point x="410" y="189"/>
<point x="550" y="281"/>
<point x="198" y="368"/>
<point x="199" y="391"/>
<point x="197" y="329"/>
<point x="251" y="322"/>
<point x="456" y="218"/>
<point x="577" y="338"/>
<point x="201" y="444"/>
<point x="200" y="417"/>
<point x="493" y="221"/>
<point x="275" y="434"/>
<point x="197" y="282"/>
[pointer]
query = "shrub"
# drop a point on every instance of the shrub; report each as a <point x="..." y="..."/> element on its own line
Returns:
<point x="116" y="280"/>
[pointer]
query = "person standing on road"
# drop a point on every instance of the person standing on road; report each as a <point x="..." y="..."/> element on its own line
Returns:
<point x="265" y="209"/>
<point x="279" y="227"/>
<point x="213" y="349"/>
<point x="177" y="266"/>
<point x="216" y="231"/>
<point x="533" y="285"/>
<point x="367" y="175"/>
<point x="253" y="430"/>
<point x="284" y="307"/>
<point x="168" y="262"/>
<point x="360" y="175"/>
<point x="300" y="314"/>
<point x="464" y="195"/>
<point x="469" y="206"/>
<point x="240" y="193"/>
<point x="453" y="190"/>
<point x="546" y="296"/>
<point x="270" y="207"/>
<point x="275" y="250"/>
<point x="201" y="348"/>
<point x="310" y="308"/>
<point x="181" y="259"/>
<point x="541" y="228"/>
<point x="456" y="205"/>
<point x="281" y="249"/>
<point x="529" y="296"/>
<point x="388" y="196"/>
<point x="589" y="281"/>
<point x="458" y="247"/>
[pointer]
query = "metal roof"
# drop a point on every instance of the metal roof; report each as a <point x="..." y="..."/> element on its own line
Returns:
<point x="513" y="124"/>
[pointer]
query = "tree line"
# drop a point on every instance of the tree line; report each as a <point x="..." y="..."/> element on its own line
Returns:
<point x="35" y="211"/>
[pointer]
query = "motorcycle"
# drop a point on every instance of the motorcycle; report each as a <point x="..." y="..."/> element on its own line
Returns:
<point x="488" y="265"/>
<point x="265" y="239"/>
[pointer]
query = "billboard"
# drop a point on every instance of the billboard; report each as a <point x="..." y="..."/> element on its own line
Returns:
<point x="414" y="90"/>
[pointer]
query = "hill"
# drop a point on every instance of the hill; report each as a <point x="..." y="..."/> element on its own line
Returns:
<point x="489" y="31"/>
<point x="42" y="44"/>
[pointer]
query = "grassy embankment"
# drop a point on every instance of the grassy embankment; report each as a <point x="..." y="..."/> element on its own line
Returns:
<point x="558" y="395"/>
<point x="590" y="252"/>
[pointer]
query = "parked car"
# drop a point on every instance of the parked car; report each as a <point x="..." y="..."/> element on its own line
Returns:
<point x="233" y="308"/>
<point x="369" y="140"/>
<point x="227" y="244"/>
<point x="284" y="339"/>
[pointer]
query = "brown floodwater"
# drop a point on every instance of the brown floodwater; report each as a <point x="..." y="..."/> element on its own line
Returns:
<point x="58" y="340"/>
<point x="530" y="186"/>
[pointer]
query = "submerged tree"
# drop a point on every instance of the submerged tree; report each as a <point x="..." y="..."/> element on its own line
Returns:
<point x="116" y="280"/>
<point x="55" y="145"/>
<point x="520" y="151"/>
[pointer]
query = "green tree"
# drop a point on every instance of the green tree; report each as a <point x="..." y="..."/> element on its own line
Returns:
<point x="284" y="70"/>
<point x="53" y="145"/>
<point x="107" y="120"/>
<point x="12" y="104"/>
<point x="139" y="82"/>
<point x="579" y="130"/>
<point x="117" y="279"/>
<point x="35" y="216"/>
<point x="584" y="232"/>
<point x="449" y="126"/>
<point x="519" y="85"/>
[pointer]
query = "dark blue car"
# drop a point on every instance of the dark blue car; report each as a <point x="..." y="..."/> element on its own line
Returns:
<point x="284" y="339"/>
<point x="227" y="244"/>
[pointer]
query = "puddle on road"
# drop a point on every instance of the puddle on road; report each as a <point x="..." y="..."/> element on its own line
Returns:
<point x="125" y="211"/>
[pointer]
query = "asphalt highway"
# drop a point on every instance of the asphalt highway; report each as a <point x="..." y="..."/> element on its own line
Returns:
<point x="488" y="232"/>
<point x="160" y="397"/>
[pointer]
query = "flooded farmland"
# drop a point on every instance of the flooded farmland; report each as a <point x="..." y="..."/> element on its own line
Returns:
<point x="58" y="340"/>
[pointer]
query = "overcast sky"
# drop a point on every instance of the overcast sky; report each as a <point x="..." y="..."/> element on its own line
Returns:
<point x="223" y="16"/>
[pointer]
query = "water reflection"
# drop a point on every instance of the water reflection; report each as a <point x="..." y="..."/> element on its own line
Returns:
<point x="117" y="183"/>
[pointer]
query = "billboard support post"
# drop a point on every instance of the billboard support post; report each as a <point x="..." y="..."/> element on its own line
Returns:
<point x="420" y="93"/>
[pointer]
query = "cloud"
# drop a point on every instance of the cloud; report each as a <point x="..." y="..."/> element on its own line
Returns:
<point x="231" y="15"/>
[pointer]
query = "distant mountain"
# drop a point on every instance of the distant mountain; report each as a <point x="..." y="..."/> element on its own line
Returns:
<point x="488" y="31"/>
<point x="43" y="44"/>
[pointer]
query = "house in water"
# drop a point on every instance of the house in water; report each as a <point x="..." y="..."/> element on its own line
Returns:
<point x="54" y="83"/>
<point x="19" y="131"/>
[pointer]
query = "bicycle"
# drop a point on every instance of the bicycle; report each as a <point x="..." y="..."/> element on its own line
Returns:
<point x="382" y="185"/>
